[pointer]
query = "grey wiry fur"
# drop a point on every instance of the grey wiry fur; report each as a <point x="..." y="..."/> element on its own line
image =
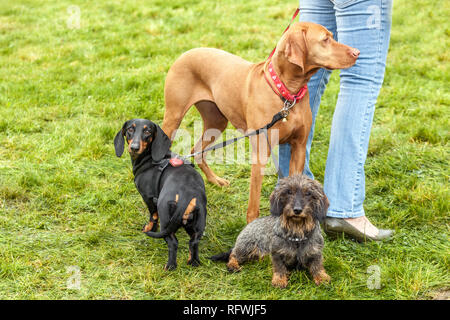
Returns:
<point x="291" y="234"/>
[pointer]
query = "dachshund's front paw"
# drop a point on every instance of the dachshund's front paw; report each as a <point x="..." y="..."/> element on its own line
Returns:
<point x="321" y="277"/>
<point x="170" y="267"/>
<point x="279" y="280"/>
<point x="194" y="262"/>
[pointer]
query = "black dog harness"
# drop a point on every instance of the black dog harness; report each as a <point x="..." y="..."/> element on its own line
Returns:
<point x="158" y="169"/>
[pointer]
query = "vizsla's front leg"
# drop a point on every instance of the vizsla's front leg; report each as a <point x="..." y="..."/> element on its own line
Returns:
<point x="255" y="191"/>
<point x="299" y="140"/>
<point x="298" y="154"/>
<point x="260" y="155"/>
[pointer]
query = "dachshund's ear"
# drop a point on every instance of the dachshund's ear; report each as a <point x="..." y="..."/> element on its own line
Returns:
<point x="160" y="144"/>
<point x="275" y="206"/>
<point x="295" y="49"/>
<point x="323" y="208"/>
<point x="323" y="203"/>
<point x="119" y="141"/>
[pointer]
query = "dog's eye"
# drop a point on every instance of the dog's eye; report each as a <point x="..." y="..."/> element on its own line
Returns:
<point x="130" y="130"/>
<point x="307" y="193"/>
<point x="147" y="132"/>
<point x="289" y="191"/>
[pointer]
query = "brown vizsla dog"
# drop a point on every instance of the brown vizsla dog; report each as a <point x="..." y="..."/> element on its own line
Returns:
<point x="225" y="87"/>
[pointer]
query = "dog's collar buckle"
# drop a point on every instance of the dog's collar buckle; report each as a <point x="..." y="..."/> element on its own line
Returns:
<point x="292" y="239"/>
<point x="297" y="239"/>
<point x="286" y="107"/>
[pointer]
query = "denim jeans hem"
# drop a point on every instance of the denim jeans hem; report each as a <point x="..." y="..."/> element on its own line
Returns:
<point x="335" y="214"/>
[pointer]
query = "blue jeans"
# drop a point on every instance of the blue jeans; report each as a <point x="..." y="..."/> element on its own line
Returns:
<point x="365" y="25"/>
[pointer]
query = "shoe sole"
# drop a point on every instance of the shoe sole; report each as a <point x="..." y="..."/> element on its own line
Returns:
<point x="342" y="234"/>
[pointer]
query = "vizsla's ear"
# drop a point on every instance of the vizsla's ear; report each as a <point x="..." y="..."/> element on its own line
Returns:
<point x="296" y="49"/>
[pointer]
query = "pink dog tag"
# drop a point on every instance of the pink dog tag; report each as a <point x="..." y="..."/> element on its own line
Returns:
<point x="176" y="162"/>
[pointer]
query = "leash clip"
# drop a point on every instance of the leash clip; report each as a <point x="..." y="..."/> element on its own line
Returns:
<point x="286" y="107"/>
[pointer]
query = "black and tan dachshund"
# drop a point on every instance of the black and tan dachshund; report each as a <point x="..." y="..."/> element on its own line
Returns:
<point x="173" y="190"/>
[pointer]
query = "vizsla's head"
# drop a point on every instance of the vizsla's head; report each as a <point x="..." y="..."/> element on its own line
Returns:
<point x="311" y="46"/>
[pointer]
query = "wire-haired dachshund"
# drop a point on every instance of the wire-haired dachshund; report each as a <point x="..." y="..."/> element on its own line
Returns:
<point x="291" y="234"/>
<point x="173" y="190"/>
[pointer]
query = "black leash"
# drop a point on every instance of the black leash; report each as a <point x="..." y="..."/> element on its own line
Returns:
<point x="277" y="117"/>
<point x="274" y="158"/>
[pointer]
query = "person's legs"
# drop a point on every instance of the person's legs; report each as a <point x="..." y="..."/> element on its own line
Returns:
<point x="321" y="12"/>
<point x="365" y="25"/>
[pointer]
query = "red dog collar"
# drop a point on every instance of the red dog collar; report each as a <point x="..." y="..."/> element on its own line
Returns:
<point x="281" y="88"/>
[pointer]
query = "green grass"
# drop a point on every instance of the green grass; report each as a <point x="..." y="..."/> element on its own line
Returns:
<point x="66" y="200"/>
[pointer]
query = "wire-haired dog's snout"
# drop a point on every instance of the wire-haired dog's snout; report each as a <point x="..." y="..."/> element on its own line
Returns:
<point x="298" y="208"/>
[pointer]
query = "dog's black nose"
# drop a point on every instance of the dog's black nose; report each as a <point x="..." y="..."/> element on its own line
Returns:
<point x="298" y="210"/>
<point x="134" y="148"/>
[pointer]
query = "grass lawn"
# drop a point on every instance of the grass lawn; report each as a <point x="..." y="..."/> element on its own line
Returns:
<point x="66" y="200"/>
